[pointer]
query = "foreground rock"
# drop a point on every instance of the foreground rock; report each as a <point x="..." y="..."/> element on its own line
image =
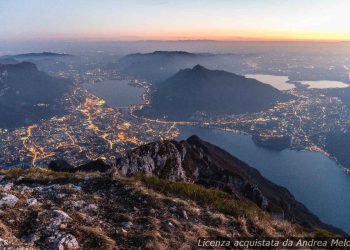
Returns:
<point x="54" y="210"/>
<point x="8" y="200"/>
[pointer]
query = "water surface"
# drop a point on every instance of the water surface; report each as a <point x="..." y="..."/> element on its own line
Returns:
<point x="116" y="93"/>
<point x="311" y="177"/>
<point x="279" y="82"/>
<point x="324" y="84"/>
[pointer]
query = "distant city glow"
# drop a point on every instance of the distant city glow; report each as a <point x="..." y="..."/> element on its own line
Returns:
<point x="269" y="20"/>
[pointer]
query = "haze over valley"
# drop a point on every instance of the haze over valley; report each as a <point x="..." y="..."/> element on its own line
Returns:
<point x="117" y="135"/>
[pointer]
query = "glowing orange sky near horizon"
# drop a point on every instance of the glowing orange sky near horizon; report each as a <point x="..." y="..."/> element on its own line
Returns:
<point x="227" y="20"/>
<point x="200" y="35"/>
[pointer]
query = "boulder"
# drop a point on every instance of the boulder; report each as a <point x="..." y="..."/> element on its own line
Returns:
<point x="8" y="200"/>
<point x="67" y="242"/>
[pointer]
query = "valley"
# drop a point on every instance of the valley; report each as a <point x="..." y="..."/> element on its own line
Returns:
<point x="105" y="126"/>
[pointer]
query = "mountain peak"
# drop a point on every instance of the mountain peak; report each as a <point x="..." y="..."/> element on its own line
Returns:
<point x="199" y="90"/>
<point x="194" y="139"/>
<point x="199" y="67"/>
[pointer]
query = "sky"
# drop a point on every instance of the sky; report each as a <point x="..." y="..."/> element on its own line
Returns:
<point x="260" y="20"/>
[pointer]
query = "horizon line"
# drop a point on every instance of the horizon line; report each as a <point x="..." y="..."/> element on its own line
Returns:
<point x="175" y="40"/>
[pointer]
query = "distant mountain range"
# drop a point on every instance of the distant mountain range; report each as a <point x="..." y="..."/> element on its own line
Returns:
<point x="213" y="92"/>
<point x="28" y="95"/>
<point x="160" y="65"/>
<point x="11" y="59"/>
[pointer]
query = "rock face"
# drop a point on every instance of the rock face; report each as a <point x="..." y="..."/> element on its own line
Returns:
<point x="163" y="159"/>
<point x="196" y="161"/>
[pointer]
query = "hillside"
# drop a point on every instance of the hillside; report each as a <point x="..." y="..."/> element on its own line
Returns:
<point x="28" y="95"/>
<point x="43" y="209"/>
<point x="159" y="65"/>
<point x="162" y="195"/>
<point x="212" y="92"/>
<point x="337" y="144"/>
<point x="199" y="162"/>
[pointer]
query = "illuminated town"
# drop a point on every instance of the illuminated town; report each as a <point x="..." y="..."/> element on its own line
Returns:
<point x="90" y="130"/>
<point x="93" y="130"/>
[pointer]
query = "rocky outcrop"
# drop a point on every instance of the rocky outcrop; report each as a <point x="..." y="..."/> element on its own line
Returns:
<point x="8" y="200"/>
<point x="163" y="159"/>
<point x="200" y="162"/>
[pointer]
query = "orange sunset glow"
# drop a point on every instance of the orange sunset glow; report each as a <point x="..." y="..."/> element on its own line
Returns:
<point x="270" y="20"/>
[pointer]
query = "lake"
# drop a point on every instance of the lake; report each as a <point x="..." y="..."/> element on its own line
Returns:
<point x="279" y="82"/>
<point x="314" y="179"/>
<point x="324" y="84"/>
<point x="116" y="93"/>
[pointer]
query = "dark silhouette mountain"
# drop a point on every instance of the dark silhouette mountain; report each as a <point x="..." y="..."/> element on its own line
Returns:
<point x="12" y="59"/>
<point x="213" y="92"/>
<point x="28" y="95"/>
<point x="159" y="65"/>
<point x="42" y="54"/>
<point x="337" y="144"/>
<point x="200" y="162"/>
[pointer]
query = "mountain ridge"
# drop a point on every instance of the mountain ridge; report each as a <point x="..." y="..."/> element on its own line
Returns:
<point x="210" y="92"/>
<point x="163" y="195"/>
<point x="196" y="161"/>
<point x="28" y="95"/>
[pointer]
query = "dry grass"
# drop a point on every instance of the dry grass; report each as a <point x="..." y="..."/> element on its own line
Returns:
<point x="94" y="238"/>
<point x="34" y="173"/>
<point x="214" y="198"/>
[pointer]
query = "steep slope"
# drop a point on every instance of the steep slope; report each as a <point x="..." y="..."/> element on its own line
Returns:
<point x="42" y="209"/>
<point x="27" y="95"/>
<point x="202" y="163"/>
<point x="213" y="92"/>
<point x="337" y="144"/>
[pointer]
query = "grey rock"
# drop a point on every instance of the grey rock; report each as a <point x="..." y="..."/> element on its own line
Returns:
<point x="184" y="214"/>
<point x="6" y="187"/>
<point x="126" y="224"/>
<point x="92" y="208"/>
<point x="32" y="202"/>
<point x="154" y="158"/>
<point x="67" y="242"/>
<point x="59" y="217"/>
<point x="8" y="200"/>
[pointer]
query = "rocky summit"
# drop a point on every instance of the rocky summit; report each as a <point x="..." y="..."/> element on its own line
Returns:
<point x="200" y="162"/>
<point x="163" y="195"/>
